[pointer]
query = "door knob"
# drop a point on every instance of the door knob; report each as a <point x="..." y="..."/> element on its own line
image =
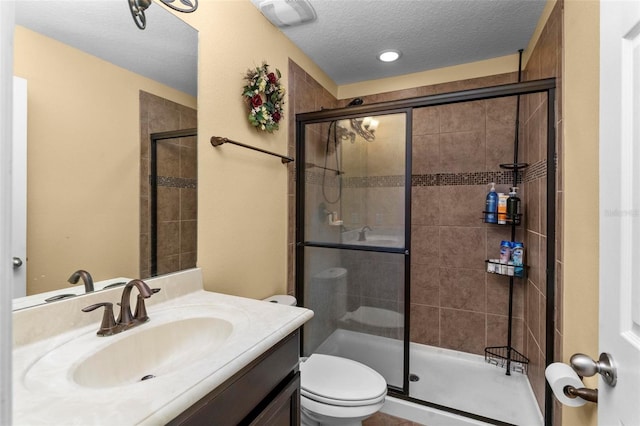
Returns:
<point x="587" y="367"/>
<point x="17" y="262"/>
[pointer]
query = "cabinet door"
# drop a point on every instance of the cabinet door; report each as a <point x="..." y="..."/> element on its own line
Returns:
<point x="284" y="409"/>
<point x="244" y="398"/>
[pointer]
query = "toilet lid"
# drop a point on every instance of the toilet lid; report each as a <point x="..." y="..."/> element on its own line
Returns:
<point x="340" y="381"/>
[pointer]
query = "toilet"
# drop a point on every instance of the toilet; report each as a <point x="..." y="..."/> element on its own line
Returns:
<point x="335" y="390"/>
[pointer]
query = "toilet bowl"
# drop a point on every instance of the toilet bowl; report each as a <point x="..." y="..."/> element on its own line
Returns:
<point x="339" y="391"/>
<point x="335" y="390"/>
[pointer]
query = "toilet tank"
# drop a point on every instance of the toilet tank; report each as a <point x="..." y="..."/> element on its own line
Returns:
<point x="329" y="288"/>
<point x="326" y="295"/>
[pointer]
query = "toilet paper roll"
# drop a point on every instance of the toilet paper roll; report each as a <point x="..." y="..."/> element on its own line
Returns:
<point x="559" y="376"/>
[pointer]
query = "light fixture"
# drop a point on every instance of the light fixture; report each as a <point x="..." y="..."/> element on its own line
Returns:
<point x="286" y="13"/>
<point x="365" y="127"/>
<point x="389" y="55"/>
<point x="137" y="8"/>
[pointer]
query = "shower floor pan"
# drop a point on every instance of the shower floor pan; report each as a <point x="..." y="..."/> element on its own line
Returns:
<point x="450" y="378"/>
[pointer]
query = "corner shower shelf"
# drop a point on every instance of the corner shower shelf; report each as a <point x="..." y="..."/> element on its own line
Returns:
<point x="510" y="270"/>
<point x="503" y="356"/>
<point x="506" y="356"/>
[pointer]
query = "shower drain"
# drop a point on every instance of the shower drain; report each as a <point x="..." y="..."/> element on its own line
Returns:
<point x="413" y="377"/>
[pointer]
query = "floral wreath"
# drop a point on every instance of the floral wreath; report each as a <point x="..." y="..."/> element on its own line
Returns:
<point x="265" y="97"/>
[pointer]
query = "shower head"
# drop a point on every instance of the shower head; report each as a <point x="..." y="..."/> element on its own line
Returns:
<point x="356" y="101"/>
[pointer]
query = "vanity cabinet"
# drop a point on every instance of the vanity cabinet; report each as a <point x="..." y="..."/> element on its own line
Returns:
<point x="265" y="392"/>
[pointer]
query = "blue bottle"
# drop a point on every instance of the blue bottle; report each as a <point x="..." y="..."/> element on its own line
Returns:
<point x="517" y="254"/>
<point x="491" y="208"/>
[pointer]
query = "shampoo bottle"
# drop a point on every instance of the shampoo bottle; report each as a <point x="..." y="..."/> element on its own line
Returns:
<point x="491" y="207"/>
<point x="513" y="207"/>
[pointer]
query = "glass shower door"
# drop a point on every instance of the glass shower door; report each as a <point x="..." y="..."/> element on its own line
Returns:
<point x="352" y="240"/>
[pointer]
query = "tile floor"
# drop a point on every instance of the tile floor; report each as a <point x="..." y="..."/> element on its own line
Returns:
<point x="382" y="419"/>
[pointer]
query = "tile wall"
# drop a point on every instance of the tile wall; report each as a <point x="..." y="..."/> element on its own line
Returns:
<point x="177" y="186"/>
<point x="305" y="95"/>
<point x="457" y="150"/>
<point x="545" y="62"/>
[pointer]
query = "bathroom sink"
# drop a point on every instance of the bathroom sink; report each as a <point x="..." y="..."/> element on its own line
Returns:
<point x="152" y="352"/>
<point x="168" y="343"/>
<point x="194" y="342"/>
<point x="378" y="240"/>
<point x="374" y="238"/>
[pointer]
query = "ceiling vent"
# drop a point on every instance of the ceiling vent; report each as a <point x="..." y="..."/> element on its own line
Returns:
<point x="286" y="13"/>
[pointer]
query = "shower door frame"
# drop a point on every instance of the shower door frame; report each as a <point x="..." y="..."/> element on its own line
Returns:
<point x="348" y="113"/>
<point x="154" y="138"/>
<point x="544" y="86"/>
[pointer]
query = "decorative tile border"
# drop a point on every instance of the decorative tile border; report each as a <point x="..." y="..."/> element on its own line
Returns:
<point x="373" y="181"/>
<point x="470" y="178"/>
<point x="502" y="177"/>
<point x="175" y="182"/>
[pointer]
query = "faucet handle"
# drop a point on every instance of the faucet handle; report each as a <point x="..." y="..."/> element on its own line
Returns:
<point x="108" y="325"/>
<point x="141" y="310"/>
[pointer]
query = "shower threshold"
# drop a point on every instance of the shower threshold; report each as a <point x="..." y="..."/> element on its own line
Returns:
<point x="454" y="379"/>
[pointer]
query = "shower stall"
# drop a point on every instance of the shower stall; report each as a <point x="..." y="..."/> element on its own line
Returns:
<point x="391" y="248"/>
<point x="168" y="186"/>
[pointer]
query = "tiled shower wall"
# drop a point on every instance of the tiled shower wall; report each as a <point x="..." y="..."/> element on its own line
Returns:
<point x="545" y="62"/>
<point x="305" y="95"/>
<point x="177" y="167"/>
<point x="456" y="152"/>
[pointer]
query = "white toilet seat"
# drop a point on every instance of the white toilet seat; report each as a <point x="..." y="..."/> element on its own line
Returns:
<point x="342" y="403"/>
<point x="341" y="382"/>
<point x="338" y="412"/>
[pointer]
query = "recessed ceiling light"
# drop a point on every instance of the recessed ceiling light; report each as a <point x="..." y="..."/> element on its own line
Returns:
<point x="389" y="55"/>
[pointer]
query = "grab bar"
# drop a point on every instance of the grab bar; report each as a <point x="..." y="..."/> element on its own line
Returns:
<point x="218" y="140"/>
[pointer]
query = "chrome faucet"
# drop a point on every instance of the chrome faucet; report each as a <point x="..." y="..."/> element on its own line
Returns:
<point x="126" y="320"/>
<point x="362" y="236"/>
<point x="86" y="278"/>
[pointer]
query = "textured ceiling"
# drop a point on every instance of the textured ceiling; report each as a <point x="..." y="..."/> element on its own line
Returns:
<point x="344" y="40"/>
<point x="166" y="51"/>
<point x="347" y="35"/>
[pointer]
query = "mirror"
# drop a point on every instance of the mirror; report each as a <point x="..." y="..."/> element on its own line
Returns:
<point x="97" y="86"/>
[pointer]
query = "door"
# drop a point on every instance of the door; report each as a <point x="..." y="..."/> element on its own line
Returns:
<point x="353" y="239"/>
<point x="620" y="208"/>
<point x="19" y="188"/>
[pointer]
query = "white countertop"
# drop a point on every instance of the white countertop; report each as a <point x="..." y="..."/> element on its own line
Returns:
<point x="52" y="397"/>
<point x="71" y="291"/>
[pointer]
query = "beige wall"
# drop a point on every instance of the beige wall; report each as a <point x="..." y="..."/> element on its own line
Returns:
<point x="242" y="194"/>
<point x="83" y="161"/>
<point x="580" y="109"/>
